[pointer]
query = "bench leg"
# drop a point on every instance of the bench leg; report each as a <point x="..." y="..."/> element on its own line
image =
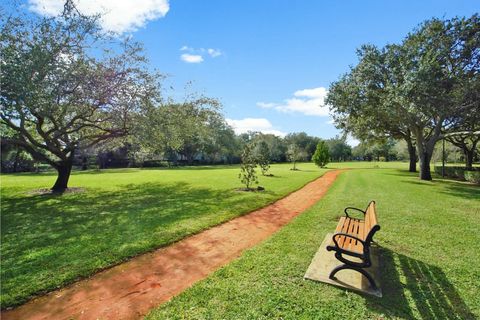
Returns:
<point x="365" y="273"/>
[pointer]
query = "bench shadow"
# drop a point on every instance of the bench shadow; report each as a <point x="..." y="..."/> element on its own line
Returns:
<point x="406" y="280"/>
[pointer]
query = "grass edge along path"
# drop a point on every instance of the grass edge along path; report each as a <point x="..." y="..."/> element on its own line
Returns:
<point x="130" y="290"/>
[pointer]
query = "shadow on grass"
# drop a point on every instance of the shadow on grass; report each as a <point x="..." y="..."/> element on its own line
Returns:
<point x="52" y="172"/>
<point x="424" y="285"/>
<point x="402" y="173"/>
<point x="451" y="187"/>
<point x="51" y="240"/>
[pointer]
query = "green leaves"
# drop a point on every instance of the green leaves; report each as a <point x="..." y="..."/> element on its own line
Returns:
<point x="247" y="173"/>
<point x="417" y="90"/>
<point x="262" y="154"/>
<point x="321" y="155"/>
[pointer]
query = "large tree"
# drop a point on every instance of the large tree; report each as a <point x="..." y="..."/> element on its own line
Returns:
<point x="426" y="84"/>
<point x="66" y="85"/>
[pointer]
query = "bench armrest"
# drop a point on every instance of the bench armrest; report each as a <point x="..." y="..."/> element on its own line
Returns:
<point x="343" y="234"/>
<point x="352" y="208"/>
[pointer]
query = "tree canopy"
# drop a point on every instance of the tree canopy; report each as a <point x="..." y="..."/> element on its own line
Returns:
<point x="419" y="90"/>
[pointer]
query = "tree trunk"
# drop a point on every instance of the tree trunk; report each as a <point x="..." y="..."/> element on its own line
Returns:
<point x="64" y="170"/>
<point x="425" y="147"/>
<point x="15" y="161"/>
<point x="412" y="155"/>
<point x="84" y="163"/>
<point x="425" y="152"/>
<point x="425" y="173"/>
<point x="469" y="158"/>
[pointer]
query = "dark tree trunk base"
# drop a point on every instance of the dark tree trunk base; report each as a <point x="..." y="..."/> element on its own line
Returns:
<point x="61" y="184"/>
<point x="412" y="156"/>
<point x="425" y="173"/>
<point x="469" y="159"/>
<point x="413" y="165"/>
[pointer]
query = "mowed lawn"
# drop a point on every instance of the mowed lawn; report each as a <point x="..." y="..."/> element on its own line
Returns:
<point x="50" y="241"/>
<point x="430" y="248"/>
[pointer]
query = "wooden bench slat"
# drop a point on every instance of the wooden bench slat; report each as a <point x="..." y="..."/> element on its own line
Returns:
<point x="355" y="227"/>
<point x="358" y="232"/>
<point x="351" y="230"/>
<point x="341" y="240"/>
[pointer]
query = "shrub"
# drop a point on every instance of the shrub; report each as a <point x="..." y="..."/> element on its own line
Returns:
<point x="321" y="155"/>
<point x="460" y="173"/>
<point x="472" y="176"/>
<point x="155" y="163"/>
<point x="452" y="172"/>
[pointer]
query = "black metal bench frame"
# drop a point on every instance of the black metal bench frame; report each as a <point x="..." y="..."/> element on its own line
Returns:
<point x="365" y="257"/>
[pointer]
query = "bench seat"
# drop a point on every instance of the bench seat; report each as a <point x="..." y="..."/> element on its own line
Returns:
<point x="353" y="226"/>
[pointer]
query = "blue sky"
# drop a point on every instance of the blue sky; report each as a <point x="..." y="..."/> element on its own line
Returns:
<point x="270" y="62"/>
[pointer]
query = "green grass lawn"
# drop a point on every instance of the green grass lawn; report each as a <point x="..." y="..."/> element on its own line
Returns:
<point x="49" y="241"/>
<point x="430" y="247"/>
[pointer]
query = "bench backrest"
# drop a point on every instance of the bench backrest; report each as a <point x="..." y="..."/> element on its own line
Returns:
<point x="371" y="223"/>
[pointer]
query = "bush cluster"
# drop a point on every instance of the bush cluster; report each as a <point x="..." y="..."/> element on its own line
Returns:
<point x="460" y="173"/>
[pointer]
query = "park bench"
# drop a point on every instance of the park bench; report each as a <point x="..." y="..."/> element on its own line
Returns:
<point x="352" y="239"/>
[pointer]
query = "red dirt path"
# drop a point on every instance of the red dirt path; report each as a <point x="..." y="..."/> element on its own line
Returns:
<point x="131" y="289"/>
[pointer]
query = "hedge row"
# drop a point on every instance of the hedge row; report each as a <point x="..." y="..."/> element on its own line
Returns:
<point x="460" y="173"/>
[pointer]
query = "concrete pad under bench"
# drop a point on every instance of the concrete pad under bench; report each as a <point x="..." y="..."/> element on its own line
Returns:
<point x="324" y="262"/>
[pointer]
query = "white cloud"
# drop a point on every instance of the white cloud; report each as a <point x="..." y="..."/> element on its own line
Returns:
<point x="198" y="54"/>
<point x="330" y="121"/>
<point x="319" y="92"/>
<point x="118" y="16"/>
<point x="191" y="58"/>
<point x="214" y="52"/>
<point x="307" y="101"/>
<point x="266" y="105"/>
<point x="254" y="124"/>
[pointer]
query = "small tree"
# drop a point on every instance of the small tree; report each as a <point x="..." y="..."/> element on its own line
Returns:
<point x="247" y="173"/>
<point x="294" y="153"/>
<point x="263" y="157"/>
<point x="321" y="155"/>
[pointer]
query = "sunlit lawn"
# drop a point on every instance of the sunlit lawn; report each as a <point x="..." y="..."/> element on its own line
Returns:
<point x="49" y="241"/>
<point x="430" y="254"/>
